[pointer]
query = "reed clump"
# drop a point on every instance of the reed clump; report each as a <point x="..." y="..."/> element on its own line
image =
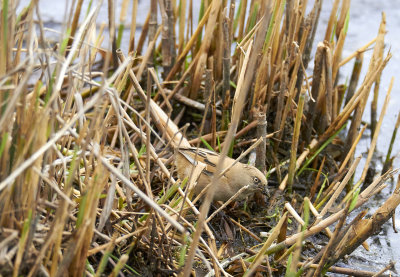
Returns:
<point x="87" y="131"/>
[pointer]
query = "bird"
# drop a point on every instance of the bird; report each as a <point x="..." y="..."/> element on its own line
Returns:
<point x="187" y="157"/>
<point x="235" y="178"/>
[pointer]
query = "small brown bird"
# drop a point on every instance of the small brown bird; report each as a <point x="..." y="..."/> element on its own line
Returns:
<point x="238" y="176"/>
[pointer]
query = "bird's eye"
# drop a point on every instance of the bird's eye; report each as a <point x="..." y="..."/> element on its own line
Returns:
<point x="256" y="180"/>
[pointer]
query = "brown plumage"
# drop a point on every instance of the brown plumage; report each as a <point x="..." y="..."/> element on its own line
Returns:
<point x="231" y="182"/>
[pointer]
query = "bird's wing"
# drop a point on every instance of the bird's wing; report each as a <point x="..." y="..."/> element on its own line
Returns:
<point x="205" y="156"/>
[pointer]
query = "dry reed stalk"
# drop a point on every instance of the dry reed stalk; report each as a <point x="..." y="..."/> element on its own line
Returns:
<point x="226" y="64"/>
<point x="293" y="212"/>
<point x="314" y="187"/>
<point x="190" y="102"/>
<point x="335" y="101"/>
<point x="313" y="18"/>
<point x="299" y="161"/>
<point x="57" y="87"/>
<point x="352" y="149"/>
<point x="331" y="22"/>
<point x="355" y="75"/>
<point x="311" y="114"/>
<point x="244" y="131"/>
<point x="295" y="142"/>
<point x="318" y="216"/>
<point x="148" y="56"/>
<point x="75" y="20"/>
<point x="148" y="142"/>
<point x="127" y="182"/>
<point x="167" y="38"/>
<point x="360" y="50"/>
<point x="372" y="189"/>
<point x="270" y="45"/>
<point x="388" y="161"/>
<point x="207" y="137"/>
<point x="182" y="20"/>
<point x="365" y="227"/>
<point x="213" y="118"/>
<point x="180" y="83"/>
<point x="262" y="148"/>
<point x="342" y="270"/>
<point x="159" y="116"/>
<point x="152" y="31"/>
<point x="333" y="241"/>
<point x="337" y="189"/>
<point x="298" y="246"/>
<point x="144" y="34"/>
<point x="161" y="89"/>
<point x="279" y="106"/>
<point x="355" y="100"/>
<point x="189" y="45"/>
<point x="261" y="255"/>
<point x="239" y="97"/>
<point x="341" y="30"/>
<point x="242" y="15"/>
<point x="203" y="52"/>
<point x="133" y="26"/>
<point x="328" y="86"/>
<point x="208" y="95"/>
<point x="376" y="132"/>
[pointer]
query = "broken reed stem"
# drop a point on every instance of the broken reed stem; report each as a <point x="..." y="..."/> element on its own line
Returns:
<point x="377" y="55"/>
<point x="75" y="21"/>
<point x="376" y="133"/>
<point x="357" y="52"/>
<point x="341" y="270"/>
<point x="372" y="189"/>
<point x="299" y="161"/>
<point x="331" y="22"/>
<point x="314" y="187"/>
<point x="328" y="85"/>
<point x="366" y="227"/>
<point x="168" y="36"/>
<point x="189" y="46"/>
<point x="295" y="141"/>
<point x="262" y="147"/>
<point x="338" y="188"/>
<point x="349" y="155"/>
<point x="147" y="112"/>
<point x="203" y="52"/>
<point x="299" y="244"/>
<point x="226" y="60"/>
<point x="133" y="26"/>
<point x="182" y="21"/>
<point x="317" y="74"/>
<point x="260" y="256"/>
<point x="388" y="161"/>
<point x="360" y="94"/>
<point x="333" y="241"/>
<point x="213" y="116"/>
<point x="208" y="95"/>
<point x="355" y="75"/>
<point x="152" y="31"/>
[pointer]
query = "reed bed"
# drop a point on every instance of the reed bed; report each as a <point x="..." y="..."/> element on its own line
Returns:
<point x="87" y="132"/>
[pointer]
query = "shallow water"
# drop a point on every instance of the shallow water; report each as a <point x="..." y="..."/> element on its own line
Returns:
<point x="365" y="17"/>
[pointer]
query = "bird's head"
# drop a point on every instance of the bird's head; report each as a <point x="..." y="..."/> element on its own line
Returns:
<point x="250" y="175"/>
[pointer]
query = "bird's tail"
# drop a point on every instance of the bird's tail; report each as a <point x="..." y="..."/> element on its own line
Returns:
<point x="168" y="127"/>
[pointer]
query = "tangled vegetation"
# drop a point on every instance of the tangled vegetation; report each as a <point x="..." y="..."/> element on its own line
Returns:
<point x="87" y="137"/>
